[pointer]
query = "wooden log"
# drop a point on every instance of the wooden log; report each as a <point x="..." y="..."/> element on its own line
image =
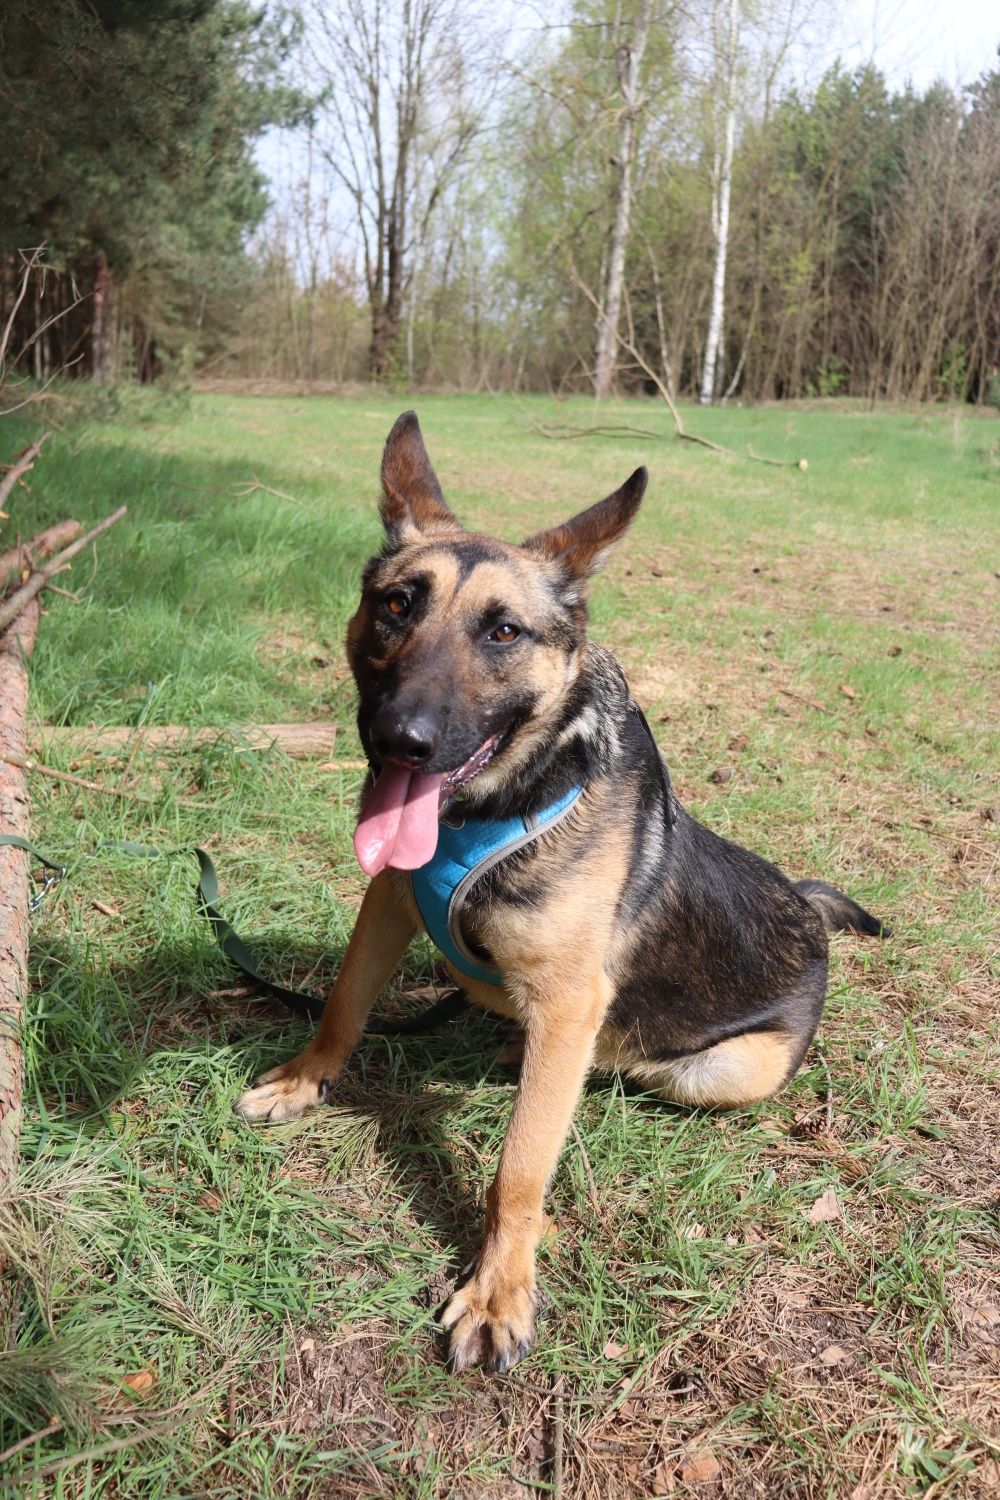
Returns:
<point x="301" y="741"/>
<point x="22" y="464"/>
<point x="15" y="868"/>
<point x="14" y="561"/>
<point x="13" y="606"/>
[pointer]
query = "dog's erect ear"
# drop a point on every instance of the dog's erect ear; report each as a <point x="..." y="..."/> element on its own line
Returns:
<point x="583" y="544"/>
<point x="412" y="503"/>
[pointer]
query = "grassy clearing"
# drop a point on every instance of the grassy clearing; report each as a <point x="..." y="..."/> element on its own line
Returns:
<point x="212" y="1310"/>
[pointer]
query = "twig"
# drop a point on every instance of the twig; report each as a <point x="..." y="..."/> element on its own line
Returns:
<point x="43" y="545"/>
<point x="33" y="1437"/>
<point x="779" y="463"/>
<point x="558" y="1434"/>
<point x="22" y="596"/>
<point x="244" y="491"/>
<point x="29" y="266"/>
<point x="23" y="464"/>
<point x="828" y="1110"/>
<point x="90" y="1455"/>
<point x="28" y="764"/>
<point x="56" y="317"/>
<point x="241" y="491"/>
<point x="42" y="393"/>
<point x="567" y="434"/>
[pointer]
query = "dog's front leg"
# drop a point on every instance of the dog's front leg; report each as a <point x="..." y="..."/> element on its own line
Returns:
<point x="490" y="1317"/>
<point x="379" y="940"/>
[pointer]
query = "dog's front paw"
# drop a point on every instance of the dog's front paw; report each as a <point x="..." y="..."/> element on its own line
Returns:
<point x="489" y="1320"/>
<point x="286" y="1092"/>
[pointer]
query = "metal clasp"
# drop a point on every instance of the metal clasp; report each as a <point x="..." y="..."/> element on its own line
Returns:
<point x="51" y="880"/>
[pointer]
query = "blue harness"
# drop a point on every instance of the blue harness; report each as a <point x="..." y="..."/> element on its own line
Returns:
<point x="465" y="851"/>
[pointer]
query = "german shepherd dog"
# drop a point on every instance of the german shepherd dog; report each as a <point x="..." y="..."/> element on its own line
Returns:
<point x="626" y="936"/>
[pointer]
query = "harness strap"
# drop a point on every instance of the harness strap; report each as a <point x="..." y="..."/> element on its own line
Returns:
<point x="207" y="892"/>
<point x="467" y="849"/>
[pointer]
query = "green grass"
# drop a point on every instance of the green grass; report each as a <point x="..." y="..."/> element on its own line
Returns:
<point x="829" y="639"/>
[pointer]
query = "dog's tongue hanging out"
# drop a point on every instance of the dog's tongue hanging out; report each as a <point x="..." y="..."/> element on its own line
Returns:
<point x="399" y="822"/>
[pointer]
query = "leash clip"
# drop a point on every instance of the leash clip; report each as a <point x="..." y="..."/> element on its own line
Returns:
<point x="51" y="880"/>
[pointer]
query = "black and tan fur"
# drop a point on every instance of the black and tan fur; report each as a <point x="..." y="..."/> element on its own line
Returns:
<point x="629" y="936"/>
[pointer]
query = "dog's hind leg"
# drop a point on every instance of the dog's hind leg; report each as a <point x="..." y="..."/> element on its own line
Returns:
<point x="379" y="940"/>
<point x="739" y="1071"/>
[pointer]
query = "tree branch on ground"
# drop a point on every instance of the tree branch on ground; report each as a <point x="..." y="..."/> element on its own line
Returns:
<point x="23" y="464"/>
<point x="23" y="596"/>
<point x="15" y="649"/>
<point x="26" y="554"/>
<point x="627" y="342"/>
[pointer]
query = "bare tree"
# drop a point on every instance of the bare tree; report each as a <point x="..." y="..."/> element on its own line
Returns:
<point x="630" y="48"/>
<point x="396" y="77"/>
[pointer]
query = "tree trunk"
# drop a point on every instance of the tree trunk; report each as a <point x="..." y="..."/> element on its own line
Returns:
<point x="720" y="219"/>
<point x="15" y="647"/>
<point x="411" y="317"/>
<point x="629" y="65"/>
<point x="100" y="331"/>
<point x="385" y="341"/>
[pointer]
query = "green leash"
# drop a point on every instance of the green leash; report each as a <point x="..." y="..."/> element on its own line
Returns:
<point x="232" y="945"/>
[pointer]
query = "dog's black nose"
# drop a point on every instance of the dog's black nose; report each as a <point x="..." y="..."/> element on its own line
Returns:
<point x="411" y="738"/>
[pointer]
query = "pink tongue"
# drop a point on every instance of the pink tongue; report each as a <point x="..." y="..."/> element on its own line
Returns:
<point x="399" y="822"/>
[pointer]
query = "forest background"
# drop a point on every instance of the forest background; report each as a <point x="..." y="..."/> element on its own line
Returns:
<point x="620" y="193"/>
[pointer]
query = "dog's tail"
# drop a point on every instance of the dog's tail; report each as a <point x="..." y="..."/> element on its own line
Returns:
<point x="839" y="912"/>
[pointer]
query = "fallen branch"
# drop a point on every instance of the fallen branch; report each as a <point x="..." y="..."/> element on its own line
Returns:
<point x="300" y="741"/>
<point x="15" y="648"/>
<point x="21" y="597"/>
<point x="23" y="463"/>
<point x="567" y="433"/>
<point x="27" y="554"/>
<point x="628" y="344"/>
<point x="779" y="463"/>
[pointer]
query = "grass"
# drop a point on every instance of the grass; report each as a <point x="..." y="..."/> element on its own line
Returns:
<point x="199" y="1308"/>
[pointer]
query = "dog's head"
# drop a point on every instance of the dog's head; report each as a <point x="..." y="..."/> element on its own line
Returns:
<point x="463" y="647"/>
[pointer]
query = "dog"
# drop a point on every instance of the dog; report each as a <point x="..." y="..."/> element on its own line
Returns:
<point x="519" y="810"/>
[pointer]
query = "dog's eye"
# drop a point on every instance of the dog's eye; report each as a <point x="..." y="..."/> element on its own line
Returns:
<point x="504" y="634"/>
<point x="397" y="604"/>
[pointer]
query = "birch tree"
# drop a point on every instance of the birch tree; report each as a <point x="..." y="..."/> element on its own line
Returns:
<point x="722" y="185"/>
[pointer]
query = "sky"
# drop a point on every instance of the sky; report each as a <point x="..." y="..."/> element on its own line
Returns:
<point x="921" y="40"/>
<point x="909" y="40"/>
